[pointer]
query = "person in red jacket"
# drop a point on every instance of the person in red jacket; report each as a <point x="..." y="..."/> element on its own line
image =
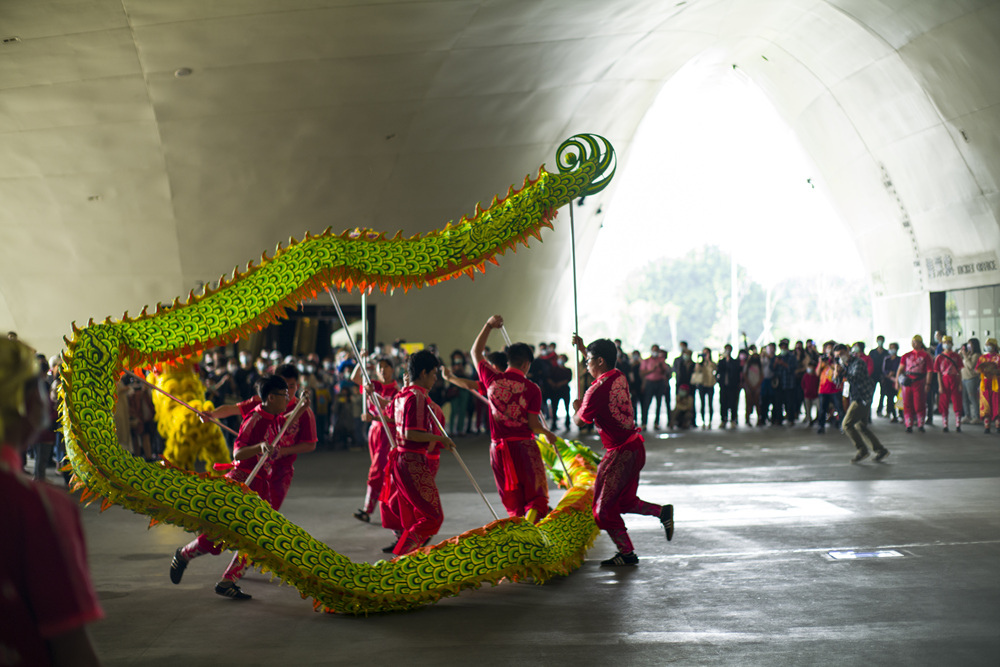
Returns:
<point x="48" y="598"/>
<point x="411" y="470"/>
<point x="608" y="405"/>
<point x="515" y="406"/>
<point x="948" y="367"/>
<point x="914" y="367"/>
<point x="257" y="433"/>
<point x="810" y="392"/>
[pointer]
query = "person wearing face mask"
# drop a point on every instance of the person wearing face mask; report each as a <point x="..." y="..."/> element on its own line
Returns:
<point x="970" y="380"/>
<point x="854" y="368"/>
<point x="830" y="386"/>
<point x="890" y="365"/>
<point x="683" y="371"/>
<point x="913" y="375"/>
<point x="932" y="378"/>
<point x="989" y="387"/>
<point x="948" y="367"/>
<point x="878" y="355"/>
<point x="727" y="372"/>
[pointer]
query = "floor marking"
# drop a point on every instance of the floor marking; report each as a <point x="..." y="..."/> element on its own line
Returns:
<point x="813" y="550"/>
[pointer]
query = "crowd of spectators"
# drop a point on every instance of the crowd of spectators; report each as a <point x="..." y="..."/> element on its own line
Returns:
<point x="778" y="384"/>
<point x="805" y="383"/>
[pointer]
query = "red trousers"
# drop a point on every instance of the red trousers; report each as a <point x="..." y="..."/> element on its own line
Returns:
<point x="915" y="404"/>
<point x="389" y="497"/>
<point x="201" y="545"/>
<point x="615" y="491"/>
<point x="952" y="393"/>
<point x="417" y="502"/>
<point x="989" y="402"/>
<point x="378" y="448"/>
<point x="281" y="479"/>
<point x="520" y="476"/>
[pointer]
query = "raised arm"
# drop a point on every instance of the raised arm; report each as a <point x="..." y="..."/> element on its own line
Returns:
<point x="479" y="346"/>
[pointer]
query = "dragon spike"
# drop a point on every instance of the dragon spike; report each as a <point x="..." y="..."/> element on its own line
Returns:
<point x="176" y="303"/>
<point x="191" y="298"/>
<point x="91" y="322"/>
<point x="264" y="258"/>
<point x="143" y="313"/>
<point x="76" y="329"/>
<point x="292" y="241"/>
<point x="66" y="340"/>
<point x="327" y="231"/>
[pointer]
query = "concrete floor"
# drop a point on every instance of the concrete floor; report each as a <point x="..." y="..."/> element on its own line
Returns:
<point x="748" y="578"/>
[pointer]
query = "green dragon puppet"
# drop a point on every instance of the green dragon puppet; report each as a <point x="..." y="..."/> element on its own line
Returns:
<point x="235" y="516"/>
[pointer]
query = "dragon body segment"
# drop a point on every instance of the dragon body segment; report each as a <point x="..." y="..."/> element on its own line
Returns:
<point x="251" y="299"/>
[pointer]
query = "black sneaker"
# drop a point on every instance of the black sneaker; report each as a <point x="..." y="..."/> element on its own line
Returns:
<point x="362" y="515"/>
<point x="958" y="429"/>
<point x="909" y="429"/>
<point x="621" y="559"/>
<point x="861" y="455"/>
<point x="177" y="567"/>
<point x="389" y="548"/>
<point x="880" y="454"/>
<point x="667" y="519"/>
<point x="921" y="429"/>
<point x="231" y="590"/>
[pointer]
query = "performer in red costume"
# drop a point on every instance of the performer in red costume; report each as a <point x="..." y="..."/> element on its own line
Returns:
<point x="989" y="386"/>
<point x="515" y="404"/>
<point x="378" y="442"/>
<point x="411" y="468"/>
<point x="948" y="366"/>
<point x="258" y="431"/>
<point x="299" y="438"/>
<point x="912" y="375"/>
<point x="608" y="405"/>
<point x="47" y="596"/>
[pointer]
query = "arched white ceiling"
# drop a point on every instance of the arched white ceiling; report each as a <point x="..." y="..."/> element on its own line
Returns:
<point x="124" y="184"/>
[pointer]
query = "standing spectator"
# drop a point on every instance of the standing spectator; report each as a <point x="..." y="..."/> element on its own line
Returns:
<point x="654" y="373"/>
<point x="631" y="372"/>
<point x="727" y="372"/>
<point x="830" y="387"/>
<point x="46" y="439"/>
<point x="683" y="370"/>
<point x="800" y="370"/>
<point x="888" y="382"/>
<point x="810" y="393"/>
<point x="458" y="398"/>
<point x="948" y="367"/>
<point x="769" y="386"/>
<point x="878" y="356"/>
<point x="785" y="365"/>
<point x="705" y="370"/>
<point x="142" y="419"/>
<point x="932" y="378"/>
<point x="970" y="381"/>
<point x="538" y="372"/>
<point x="560" y="378"/>
<point x="989" y="388"/>
<point x="752" y="378"/>
<point x="914" y="376"/>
